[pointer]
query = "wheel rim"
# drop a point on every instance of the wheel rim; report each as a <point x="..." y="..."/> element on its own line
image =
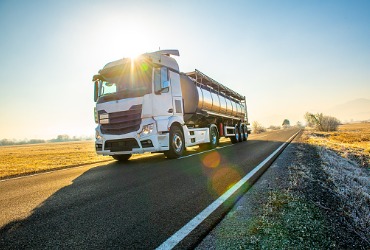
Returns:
<point x="237" y="134"/>
<point x="177" y="143"/>
<point x="213" y="137"/>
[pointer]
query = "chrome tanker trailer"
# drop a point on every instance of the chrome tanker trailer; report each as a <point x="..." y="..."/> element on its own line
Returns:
<point x="147" y="105"/>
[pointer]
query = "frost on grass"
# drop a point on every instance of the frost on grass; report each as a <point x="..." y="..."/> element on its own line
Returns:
<point x="352" y="186"/>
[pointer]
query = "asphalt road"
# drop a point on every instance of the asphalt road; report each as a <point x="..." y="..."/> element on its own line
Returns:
<point x="136" y="205"/>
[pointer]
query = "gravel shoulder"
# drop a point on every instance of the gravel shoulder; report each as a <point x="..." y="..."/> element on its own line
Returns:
<point x="299" y="203"/>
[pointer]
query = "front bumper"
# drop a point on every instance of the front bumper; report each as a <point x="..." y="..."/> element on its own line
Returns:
<point x="131" y="143"/>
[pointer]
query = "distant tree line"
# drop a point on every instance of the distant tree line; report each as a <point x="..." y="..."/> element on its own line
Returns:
<point x="60" y="138"/>
<point x="257" y="128"/>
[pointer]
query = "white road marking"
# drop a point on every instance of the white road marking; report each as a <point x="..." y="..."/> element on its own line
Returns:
<point x="182" y="157"/>
<point x="191" y="225"/>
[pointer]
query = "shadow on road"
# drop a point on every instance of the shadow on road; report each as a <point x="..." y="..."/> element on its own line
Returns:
<point x="137" y="204"/>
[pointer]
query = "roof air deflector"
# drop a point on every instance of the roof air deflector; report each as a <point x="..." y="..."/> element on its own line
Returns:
<point x="168" y="52"/>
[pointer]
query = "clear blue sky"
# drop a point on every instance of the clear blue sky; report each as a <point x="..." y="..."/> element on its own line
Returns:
<point x="286" y="57"/>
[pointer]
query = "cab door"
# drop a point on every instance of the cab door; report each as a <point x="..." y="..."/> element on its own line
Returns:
<point x="176" y="93"/>
<point x="162" y="97"/>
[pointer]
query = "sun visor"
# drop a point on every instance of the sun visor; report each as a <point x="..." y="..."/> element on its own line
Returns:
<point x="111" y="71"/>
<point x="114" y="68"/>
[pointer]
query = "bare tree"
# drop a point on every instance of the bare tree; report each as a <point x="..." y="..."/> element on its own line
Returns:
<point x="322" y="122"/>
<point x="257" y="127"/>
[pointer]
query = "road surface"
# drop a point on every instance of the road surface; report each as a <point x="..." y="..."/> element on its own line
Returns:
<point x="136" y="205"/>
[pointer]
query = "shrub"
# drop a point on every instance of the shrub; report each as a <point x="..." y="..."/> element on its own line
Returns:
<point x="322" y="122"/>
<point x="299" y="124"/>
<point x="257" y="127"/>
<point x="272" y="127"/>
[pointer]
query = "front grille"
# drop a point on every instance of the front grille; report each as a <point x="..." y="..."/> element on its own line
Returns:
<point x="123" y="122"/>
<point x="121" y="145"/>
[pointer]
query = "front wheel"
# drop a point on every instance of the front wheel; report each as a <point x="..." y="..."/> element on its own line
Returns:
<point x="121" y="158"/>
<point x="213" y="139"/>
<point x="177" y="143"/>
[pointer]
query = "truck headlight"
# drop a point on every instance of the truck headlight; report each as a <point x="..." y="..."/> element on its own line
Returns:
<point x="98" y="137"/>
<point x="147" y="129"/>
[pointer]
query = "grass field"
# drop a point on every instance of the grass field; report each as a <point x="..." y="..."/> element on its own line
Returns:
<point x="351" y="141"/>
<point x="27" y="159"/>
<point x="33" y="158"/>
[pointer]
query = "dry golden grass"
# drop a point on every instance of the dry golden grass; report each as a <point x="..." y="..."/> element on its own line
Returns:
<point x="27" y="159"/>
<point x="351" y="141"/>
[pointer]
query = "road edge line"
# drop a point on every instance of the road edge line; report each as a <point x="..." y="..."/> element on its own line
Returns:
<point x="177" y="237"/>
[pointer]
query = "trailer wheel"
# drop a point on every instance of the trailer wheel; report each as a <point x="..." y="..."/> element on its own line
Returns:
<point x="122" y="158"/>
<point x="245" y="132"/>
<point x="235" y="138"/>
<point x="177" y="143"/>
<point x="241" y="134"/>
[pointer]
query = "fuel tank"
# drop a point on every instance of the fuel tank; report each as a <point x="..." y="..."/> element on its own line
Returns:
<point x="200" y="97"/>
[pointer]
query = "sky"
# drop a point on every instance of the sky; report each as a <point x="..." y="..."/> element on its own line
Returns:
<point x="286" y="57"/>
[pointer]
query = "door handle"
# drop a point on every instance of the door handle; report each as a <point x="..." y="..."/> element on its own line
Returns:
<point x="170" y="111"/>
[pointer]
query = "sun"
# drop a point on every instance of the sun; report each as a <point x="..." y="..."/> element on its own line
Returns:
<point x="128" y="47"/>
<point x="133" y="50"/>
<point x="122" y="36"/>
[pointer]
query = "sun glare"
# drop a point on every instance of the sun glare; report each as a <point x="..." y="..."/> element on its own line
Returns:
<point x="128" y="36"/>
<point x="134" y="55"/>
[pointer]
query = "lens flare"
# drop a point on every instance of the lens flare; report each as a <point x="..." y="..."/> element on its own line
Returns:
<point x="223" y="179"/>
<point x="211" y="160"/>
<point x="144" y="67"/>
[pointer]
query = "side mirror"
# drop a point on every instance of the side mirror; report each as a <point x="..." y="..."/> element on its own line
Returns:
<point x="96" y="89"/>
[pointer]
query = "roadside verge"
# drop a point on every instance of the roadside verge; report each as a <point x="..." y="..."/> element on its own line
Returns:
<point x="293" y="205"/>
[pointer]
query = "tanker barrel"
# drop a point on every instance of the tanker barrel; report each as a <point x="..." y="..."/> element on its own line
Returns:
<point x="190" y="94"/>
<point x="223" y="108"/>
<point x="200" y="97"/>
<point x="207" y="98"/>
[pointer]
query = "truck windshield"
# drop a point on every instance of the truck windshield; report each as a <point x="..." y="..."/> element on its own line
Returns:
<point x="125" y="80"/>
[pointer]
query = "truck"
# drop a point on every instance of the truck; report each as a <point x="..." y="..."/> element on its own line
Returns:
<point x="145" y="104"/>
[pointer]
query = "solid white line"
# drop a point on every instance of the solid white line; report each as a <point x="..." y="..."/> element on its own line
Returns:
<point x="191" y="225"/>
<point x="182" y="157"/>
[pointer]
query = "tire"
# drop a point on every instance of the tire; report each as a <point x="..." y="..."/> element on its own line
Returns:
<point x="236" y="137"/>
<point x="245" y="133"/>
<point x="122" y="158"/>
<point x="241" y="134"/>
<point x="213" y="139"/>
<point x="176" y="143"/>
